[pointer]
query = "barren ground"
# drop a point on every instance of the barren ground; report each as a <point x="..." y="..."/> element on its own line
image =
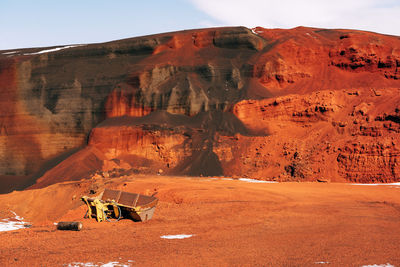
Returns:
<point x="233" y="223"/>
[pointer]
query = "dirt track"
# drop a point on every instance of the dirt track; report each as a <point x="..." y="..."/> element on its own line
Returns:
<point x="233" y="223"/>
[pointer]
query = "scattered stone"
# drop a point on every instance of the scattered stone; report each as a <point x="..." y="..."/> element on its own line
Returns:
<point x="377" y="92"/>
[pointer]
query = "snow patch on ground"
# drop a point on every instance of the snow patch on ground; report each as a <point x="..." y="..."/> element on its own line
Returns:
<point x="379" y="265"/>
<point x="182" y="236"/>
<point x="52" y="50"/>
<point x="11" y="224"/>
<point x="247" y="180"/>
<point x="256" y="181"/>
<point x="100" y="264"/>
<point x="322" y="262"/>
<point x="397" y="185"/>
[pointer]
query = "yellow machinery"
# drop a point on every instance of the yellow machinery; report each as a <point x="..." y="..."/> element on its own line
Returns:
<point x="117" y="204"/>
<point x="102" y="210"/>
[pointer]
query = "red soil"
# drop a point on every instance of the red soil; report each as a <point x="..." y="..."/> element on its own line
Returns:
<point x="234" y="223"/>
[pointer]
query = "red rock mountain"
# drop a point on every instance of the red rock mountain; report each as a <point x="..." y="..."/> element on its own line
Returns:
<point x="302" y="104"/>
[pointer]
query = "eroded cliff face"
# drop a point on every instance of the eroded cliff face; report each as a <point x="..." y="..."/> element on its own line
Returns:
<point x="299" y="104"/>
<point x="53" y="99"/>
<point x="346" y="135"/>
<point x="27" y="139"/>
<point x="305" y="60"/>
<point x="158" y="143"/>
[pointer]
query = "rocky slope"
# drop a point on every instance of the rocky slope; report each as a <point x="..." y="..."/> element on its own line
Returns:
<point x="298" y="104"/>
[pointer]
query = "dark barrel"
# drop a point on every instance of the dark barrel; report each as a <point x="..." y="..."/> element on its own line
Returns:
<point x="73" y="226"/>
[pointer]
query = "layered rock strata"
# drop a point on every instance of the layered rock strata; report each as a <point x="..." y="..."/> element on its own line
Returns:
<point x="299" y="104"/>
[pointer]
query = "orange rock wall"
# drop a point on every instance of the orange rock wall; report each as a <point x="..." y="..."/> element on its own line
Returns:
<point x="348" y="135"/>
<point x="311" y="103"/>
<point x="149" y="151"/>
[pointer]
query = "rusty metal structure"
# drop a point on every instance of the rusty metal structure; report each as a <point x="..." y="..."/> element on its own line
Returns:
<point x="115" y="204"/>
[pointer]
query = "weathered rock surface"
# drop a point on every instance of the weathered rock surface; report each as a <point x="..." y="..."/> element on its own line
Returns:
<point x="308" y="103"/>
<point x="341" y="135"/>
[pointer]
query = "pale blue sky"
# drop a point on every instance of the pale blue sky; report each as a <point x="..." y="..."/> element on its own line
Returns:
<point x="33" y="23"/>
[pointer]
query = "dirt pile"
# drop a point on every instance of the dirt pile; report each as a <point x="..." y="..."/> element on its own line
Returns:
<point x="232" y="223"/>
<point x="309" y="103"/>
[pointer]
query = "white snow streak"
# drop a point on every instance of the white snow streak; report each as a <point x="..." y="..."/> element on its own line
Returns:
<point x="247" y="180"/>
<point x="393" y="184"/>
<point x="256" y="181"/>
<point x="11" y="224"/>
<point x="379" y="265"/>
<point x="91" y="264"/>
<point x="10" y="53"/>
<point x="52" y="50"/>
<point x="176" y="236"/>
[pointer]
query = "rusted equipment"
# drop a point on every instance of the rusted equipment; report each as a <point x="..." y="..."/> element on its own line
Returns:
<point x="101" y="210"/>
<point x="74" y="226"/>
<point x="114" y="204"/>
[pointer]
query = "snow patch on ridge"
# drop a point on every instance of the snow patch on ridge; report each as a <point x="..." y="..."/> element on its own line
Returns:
<point x="10" y="53"/>
<point x="53" y="49"/>
<point x="11" y="224"/>
<point x="182" y="236"/>
<point x="255" y="31"/>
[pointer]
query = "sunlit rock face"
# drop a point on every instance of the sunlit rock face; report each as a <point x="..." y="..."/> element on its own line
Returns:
<point x="52" y="100"/>
<point x="246" y="101"/>
<point x="342" y="135"/>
